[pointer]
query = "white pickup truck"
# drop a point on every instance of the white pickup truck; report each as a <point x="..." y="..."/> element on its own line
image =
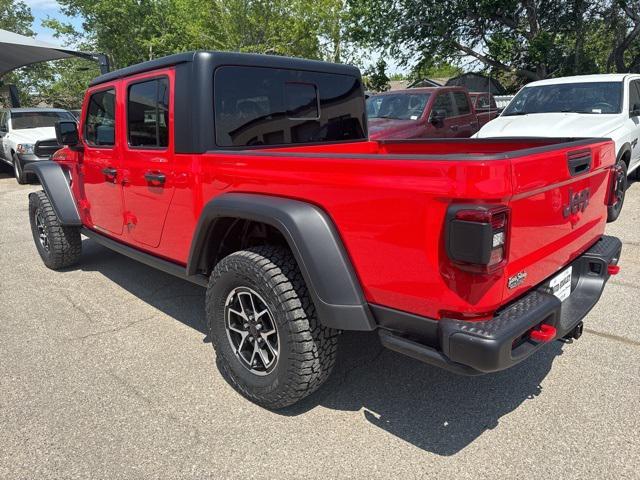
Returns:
<point x="28" y="135"/>
<point x="583" y="106"/>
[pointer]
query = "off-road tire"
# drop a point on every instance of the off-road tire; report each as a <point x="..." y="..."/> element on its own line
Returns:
<point x="64" y="243"/>
<point x="613" y="211"/>
<point x="21" y="177"/>
<point x="307" y="349"/>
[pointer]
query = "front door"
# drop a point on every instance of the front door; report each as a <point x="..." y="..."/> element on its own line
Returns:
<point x="148" y="167"/>
<point x="447" y="128"/>
<point x="634" y="121"/>
<point x="101" y="163"/>
<point x="465" y="120"/>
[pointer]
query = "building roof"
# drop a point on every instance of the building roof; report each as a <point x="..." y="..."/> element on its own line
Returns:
<point x="35" y="110"/>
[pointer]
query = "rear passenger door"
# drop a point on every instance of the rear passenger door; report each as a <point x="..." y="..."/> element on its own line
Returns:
<point x="465" y="119"/>
<point x="148" y="156"/>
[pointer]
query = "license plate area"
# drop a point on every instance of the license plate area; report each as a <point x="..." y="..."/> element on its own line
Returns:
<point x="560" y="285"/>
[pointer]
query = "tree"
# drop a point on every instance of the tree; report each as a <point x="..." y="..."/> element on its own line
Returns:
<point x="532" y="38"/>
<point x="376" y="79"/>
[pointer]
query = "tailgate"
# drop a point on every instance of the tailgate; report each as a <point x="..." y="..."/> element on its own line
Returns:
<point x="558" y="210"/>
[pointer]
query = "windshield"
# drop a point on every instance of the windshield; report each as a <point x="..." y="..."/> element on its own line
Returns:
<point x="23" y="120"/>
<point x="400" y="106"/>
<point x="588" y="97"/>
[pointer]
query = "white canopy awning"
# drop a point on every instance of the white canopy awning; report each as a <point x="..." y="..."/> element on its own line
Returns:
<point x="18" y="51"/>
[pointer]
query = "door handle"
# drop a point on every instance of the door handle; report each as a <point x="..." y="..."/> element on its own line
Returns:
<point x="454" y="128"/>
<point x="110" y="173"/>
<point x="157" y="178"/>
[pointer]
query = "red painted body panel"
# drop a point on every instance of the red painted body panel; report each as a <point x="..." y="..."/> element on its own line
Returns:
<point x="389" y="210"/>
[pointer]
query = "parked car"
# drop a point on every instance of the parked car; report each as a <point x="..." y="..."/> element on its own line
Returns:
<point x="28" y="135"/>
<point x="436" y="112"/>
<point x="606" y="106"/>
<point x="253" y="177"/>
<point x="485" y="106"/>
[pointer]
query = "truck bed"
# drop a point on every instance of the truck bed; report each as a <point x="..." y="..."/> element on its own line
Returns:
<point x="389" y="202"/>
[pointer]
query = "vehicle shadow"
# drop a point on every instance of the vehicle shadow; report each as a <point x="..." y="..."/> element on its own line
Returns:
<point x="428" y="407"/>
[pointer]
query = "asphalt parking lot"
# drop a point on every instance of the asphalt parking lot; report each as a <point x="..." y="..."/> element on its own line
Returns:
<point x="104" y="374"/>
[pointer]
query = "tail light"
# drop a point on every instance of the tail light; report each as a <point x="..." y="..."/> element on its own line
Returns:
<point x="477" y="237"/>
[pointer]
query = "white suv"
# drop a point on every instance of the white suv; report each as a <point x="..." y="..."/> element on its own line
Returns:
<point x="28" y="135"/>
<point x="605" y="106"/>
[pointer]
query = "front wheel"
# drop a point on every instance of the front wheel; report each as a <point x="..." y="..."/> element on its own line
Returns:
<point x="58" y="246"/>
<point x="619" y="190"/>
<point x="21" y="177"/>
<point x="269" y="343"/>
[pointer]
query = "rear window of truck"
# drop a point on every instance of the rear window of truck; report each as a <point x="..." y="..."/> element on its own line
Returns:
<point x="269" y="106"/>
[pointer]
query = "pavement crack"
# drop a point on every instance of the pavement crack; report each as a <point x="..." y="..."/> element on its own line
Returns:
<point x="616" y="338"/>
<point x="113" y="330"/>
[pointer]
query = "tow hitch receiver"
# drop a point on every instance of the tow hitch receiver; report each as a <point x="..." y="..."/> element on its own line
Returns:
<point x="544" y="333"/>
<point x="576" y="333"/>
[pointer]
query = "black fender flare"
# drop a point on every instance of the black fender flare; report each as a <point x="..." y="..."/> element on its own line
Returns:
<point x="316" y="246"/>
<point x="624" y="149"/>
<point x="56" y="186"/>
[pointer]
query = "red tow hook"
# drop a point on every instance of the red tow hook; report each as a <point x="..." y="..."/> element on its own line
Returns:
<point x="613" y="269"/>
<point x="545" y="333"/>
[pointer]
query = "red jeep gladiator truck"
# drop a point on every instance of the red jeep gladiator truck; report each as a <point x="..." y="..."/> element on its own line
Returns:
<point x="253" y="176"/>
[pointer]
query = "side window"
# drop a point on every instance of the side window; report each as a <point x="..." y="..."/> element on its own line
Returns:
<point x="3" y="122"/>
<point x="148" y="113"/>
<point x="443" y="102"/>
<point x="100" y="125"/>
<point x="270" y="106"/>
<point x="634" y="94"/>
<point x="483" y="103"/>
<point x="462" y="103"/>
<point x="301" y="101"/>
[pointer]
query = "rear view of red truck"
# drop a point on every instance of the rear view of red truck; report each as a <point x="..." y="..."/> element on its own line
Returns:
<point x="254" y="177"/>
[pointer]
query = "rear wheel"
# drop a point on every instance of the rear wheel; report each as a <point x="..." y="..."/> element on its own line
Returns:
<point x="619" y="190"/>
<point x="58" y="246"/>
<point x="21" y="177"/>
<point x="269" y="344"/>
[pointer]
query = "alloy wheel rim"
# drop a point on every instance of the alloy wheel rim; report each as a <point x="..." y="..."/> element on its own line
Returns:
<point x="252" y="331"/>
<point x="620" y="190"/>
<point x="43" y="233"/>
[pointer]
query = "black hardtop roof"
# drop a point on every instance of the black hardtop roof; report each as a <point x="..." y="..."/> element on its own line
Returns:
<point x="229" y="58"/>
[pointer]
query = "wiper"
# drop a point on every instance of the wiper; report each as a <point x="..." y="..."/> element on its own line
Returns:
<point x="513" y="114"/>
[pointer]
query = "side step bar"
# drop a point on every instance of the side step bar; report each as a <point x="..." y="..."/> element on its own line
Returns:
<point x="423" y="353"/>
<point x="142" y="257"/>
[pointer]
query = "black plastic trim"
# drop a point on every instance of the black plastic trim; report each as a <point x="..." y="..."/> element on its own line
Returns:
<point x="55" y="184"/>
<point x="315" y="244"/>
<point x="146" y="258"/>
<point x="511" y="154"/>
<point x="488" y="346"/>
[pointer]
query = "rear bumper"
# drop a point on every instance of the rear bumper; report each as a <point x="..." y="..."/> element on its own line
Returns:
<point x="474" y="348"/>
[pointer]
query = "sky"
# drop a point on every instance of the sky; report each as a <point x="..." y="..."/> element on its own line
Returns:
<point x="41" y="9"/>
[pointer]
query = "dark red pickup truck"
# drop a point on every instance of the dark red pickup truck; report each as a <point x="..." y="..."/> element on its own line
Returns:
<point x="433" y="112"/>
<point x="253" y="176"/>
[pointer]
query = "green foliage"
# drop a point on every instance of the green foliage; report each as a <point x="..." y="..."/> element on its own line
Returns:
<point x="531" y="39"/>
<point x="132" y="31"/>
<point x="375" y="78"/>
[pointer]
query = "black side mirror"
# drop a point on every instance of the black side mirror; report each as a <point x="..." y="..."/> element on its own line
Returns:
<point x="635" y="110"/>
<point x="438" y="116"/>
<point x="67" y="133"/>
